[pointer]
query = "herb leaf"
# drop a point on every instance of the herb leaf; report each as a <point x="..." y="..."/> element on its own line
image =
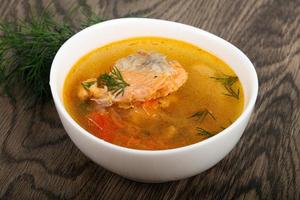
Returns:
<point x="204" y="132"/>
<point x="200" y="115"/>
<point x="114" y="81"/>
<point x="27" y="48"/>
<point x="228" y="81"/>
<point x="87" y="84"/>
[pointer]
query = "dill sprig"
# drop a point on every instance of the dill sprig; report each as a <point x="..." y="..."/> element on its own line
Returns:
<point x="204" y="132"/>
<point x="200" y="115"/>
<point x="27" y="48"/>
<point x="228" y="81"/>
<point x="87" y="84"/>
<point x="113" y="81"/>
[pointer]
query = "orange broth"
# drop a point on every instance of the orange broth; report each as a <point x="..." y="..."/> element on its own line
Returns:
<point x="201" y="108"/>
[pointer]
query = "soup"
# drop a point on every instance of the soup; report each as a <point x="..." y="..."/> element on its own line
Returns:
<point x="152" y="93"/>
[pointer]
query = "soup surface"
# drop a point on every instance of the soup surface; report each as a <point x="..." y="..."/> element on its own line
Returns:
<point x="205" y="102"/>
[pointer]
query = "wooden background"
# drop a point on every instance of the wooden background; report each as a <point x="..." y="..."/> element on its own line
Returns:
<point x="38" y="160"/>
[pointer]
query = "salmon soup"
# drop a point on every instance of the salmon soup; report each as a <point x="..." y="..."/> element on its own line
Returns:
<point x="152" y="93"/>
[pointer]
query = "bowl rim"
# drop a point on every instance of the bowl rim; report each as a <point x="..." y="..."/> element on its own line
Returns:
<point x="246" y="112"/>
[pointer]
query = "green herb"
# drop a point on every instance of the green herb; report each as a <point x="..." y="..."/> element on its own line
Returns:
<point x="228" y="81"/>
<point x="27" y="48"/>
<point x="204" y="132"/>
<point x="114" y="81"/>
<point x="87" y="84"/>
<point x="200" y="115"/>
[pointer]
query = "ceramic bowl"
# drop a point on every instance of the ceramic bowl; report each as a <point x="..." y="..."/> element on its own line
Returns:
<point x="145" y="165"/>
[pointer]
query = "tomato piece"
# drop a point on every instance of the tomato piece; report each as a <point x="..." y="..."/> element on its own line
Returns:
<point x="102" y="126"/>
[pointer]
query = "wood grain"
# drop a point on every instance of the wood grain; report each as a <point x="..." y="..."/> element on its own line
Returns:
<point x="38" y="160"/>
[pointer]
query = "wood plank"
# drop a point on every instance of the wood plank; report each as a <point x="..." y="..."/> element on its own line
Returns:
<point x="38" y="160"/>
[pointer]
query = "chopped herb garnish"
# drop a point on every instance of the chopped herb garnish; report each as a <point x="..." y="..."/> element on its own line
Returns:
<point x="87" y="84"/>
<point x="200" y="115"/>
<point x="113" y="81"/>
<point x="204" y="132"/>
<point x="228" y="81"/>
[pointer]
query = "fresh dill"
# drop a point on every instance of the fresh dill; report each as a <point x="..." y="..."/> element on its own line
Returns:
<point x="87" y="84"/>
<point x="204" y="132"/>
<point x="200" y="115"/>
<point x="27" y="48"/>
<point x="113" y="81"/>
<point x="228" y="81"/>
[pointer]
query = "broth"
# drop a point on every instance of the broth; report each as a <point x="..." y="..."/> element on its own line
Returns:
<point x="209" y="101"/>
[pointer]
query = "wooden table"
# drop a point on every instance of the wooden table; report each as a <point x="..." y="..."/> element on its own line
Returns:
<point x="39" y="161"/>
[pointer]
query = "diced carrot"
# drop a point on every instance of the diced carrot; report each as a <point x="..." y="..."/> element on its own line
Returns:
<point x="151" y="103"/>
<point x="102" y="126"/>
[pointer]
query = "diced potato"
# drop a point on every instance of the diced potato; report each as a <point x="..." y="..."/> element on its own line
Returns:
<point x="83" y="94"/>
<point x="169" y="132"/>
<point x="96" y="92"/>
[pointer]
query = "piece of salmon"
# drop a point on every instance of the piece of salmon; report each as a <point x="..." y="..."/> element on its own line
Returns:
<point x="149" y="75"/>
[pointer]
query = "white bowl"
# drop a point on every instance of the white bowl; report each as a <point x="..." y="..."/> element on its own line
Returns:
<point x="162" y="165"/>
